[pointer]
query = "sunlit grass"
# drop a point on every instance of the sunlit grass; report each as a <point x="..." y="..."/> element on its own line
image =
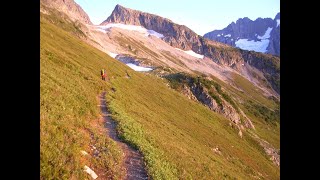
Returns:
<point x="175" y="135"/>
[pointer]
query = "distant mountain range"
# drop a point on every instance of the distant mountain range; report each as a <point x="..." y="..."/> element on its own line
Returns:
<point x="261" y="35"/>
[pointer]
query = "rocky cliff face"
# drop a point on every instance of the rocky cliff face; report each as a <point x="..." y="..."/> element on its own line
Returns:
<point x="274" y="46"/>
<point x="198" y="92"/>
<point x="261" y="35"/>
<point x="69" y="7"/>
<point x="202" y="95"/>
<point x="269" y="65"/>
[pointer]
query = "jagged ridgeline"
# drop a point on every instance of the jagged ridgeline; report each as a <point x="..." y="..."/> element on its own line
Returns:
<point x="261" y="35"/>
<point x="187" y="125"/>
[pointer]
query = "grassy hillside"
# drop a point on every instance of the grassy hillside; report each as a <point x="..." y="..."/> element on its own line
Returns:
<point x="263" y="111"/>
<point x="177" y="137"/>
<point x="69" y="85"/>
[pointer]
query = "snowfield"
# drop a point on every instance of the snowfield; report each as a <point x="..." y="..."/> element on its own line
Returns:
<point x="154" y="33"/>
<point x="140" y="29"/>
<point x="258" y="46"/>
<point x="191" y="53"/>
<point x="266" y="34"/>
<point x="228" y="35"/>
<point x="112" y="54"/>
<point x="101" y="30"/>
<point x="278" y="22"/>
<point x="131" y="65"/>
<point x="138" y="68"/>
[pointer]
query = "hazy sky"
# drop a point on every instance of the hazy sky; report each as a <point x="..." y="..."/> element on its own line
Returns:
<point x="201" y="16"/>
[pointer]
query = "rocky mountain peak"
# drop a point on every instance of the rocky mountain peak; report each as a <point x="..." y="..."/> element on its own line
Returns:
<point x="120" y="9"/>
<point x="178" y="36"/>
<point x="69" y="7"/>
<point x="118" y="6"/>
<point x="125" y="15"/>
<point x="245" y="19"/>
<point x="260" y="35"/>
<point x="277" y="16"/>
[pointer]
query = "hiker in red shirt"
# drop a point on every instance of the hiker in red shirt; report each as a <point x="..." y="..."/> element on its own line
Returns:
<point x="103" y="74"/>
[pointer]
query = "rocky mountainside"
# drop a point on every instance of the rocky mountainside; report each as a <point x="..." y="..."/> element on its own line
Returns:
<point x="180" y="36"/>
<point x="211" y="95"/>
<point x="261" y="35"/>
<point x="69" y="7"/>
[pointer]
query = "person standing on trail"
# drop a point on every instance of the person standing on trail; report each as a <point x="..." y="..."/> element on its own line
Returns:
<point x="103" y="74"/>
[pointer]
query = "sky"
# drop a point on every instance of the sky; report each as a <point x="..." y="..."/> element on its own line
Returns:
<point x="201" y="16"/>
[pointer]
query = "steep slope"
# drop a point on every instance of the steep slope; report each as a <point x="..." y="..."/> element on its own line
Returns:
<point x="182" y="37"/>
<point x="211" y="95"/>
<point x="274" y="45"/>
<point x="245" y="106"/>
<point x="179" y="138"/>
<point x="260" y="35"/>
<point x="69" y="7"/>
<point x="137" y="46"/>
<point x="69" y="125"/>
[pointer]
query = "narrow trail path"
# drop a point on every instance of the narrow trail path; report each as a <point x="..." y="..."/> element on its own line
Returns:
<point x="133" y="161"/>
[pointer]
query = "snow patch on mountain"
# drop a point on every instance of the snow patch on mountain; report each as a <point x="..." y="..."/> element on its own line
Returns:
<point x="101" y="30"/>
<point x="227" y="35"/>
<point x="130" y="28"/>
<point x="266" y="34"/>
<point x="258" y="46"/>
<point x="112" y="54"/>
<point x="131" y="62"/>
<point x="154" y="33"/>
<point x="191" y="53"/>
<point x="278" y="22"/>
<point x="138" y="68"/>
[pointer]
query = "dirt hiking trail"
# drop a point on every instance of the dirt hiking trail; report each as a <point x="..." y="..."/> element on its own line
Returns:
<point x="133" y="161"/>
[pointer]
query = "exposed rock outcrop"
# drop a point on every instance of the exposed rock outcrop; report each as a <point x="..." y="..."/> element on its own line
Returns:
<point x="224" y="108"/>
<point x="211" y="95"/>
<point x="274" y="46"/>
<point x="269" y="65"/>
<point x="269" y="149"/>
<point x="246" y="121"/>
<point x="187" y="92"/>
